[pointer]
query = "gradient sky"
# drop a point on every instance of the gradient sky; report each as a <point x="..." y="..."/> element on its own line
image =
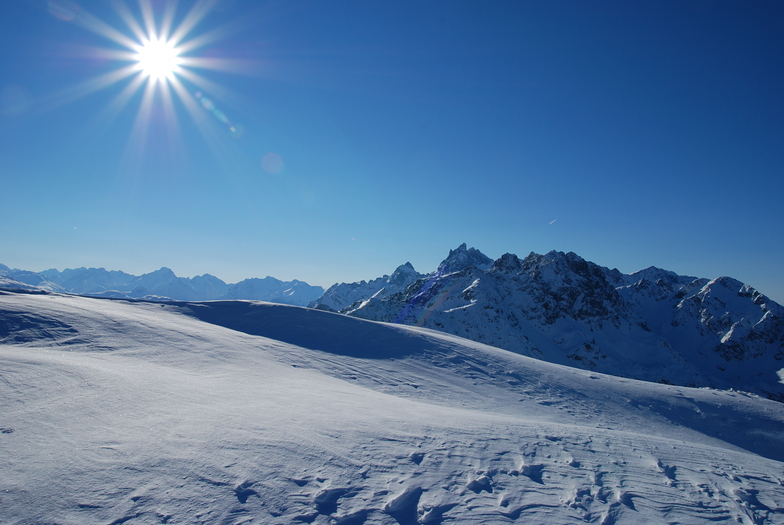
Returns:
<point x="375" y="133"/>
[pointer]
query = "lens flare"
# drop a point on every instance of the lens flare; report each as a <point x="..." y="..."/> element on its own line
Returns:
<point x="272" y="163"/>
<point x="237" y="130"/>
<point x="63" y="9"/>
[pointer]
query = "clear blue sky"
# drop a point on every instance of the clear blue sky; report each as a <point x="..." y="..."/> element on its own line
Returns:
<point x="632" y="133"/>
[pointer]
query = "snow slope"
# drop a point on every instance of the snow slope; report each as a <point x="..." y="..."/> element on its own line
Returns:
<point x="116" y="411"/>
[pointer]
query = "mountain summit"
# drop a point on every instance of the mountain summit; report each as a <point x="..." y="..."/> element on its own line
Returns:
<point x="461" y="258"/>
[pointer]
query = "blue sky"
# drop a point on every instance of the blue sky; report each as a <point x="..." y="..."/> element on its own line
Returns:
<point x="632" y="133"/>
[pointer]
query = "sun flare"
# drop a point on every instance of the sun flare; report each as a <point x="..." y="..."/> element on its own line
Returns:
<point x="158" y="59"/>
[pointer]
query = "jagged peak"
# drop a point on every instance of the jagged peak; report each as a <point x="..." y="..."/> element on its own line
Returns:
<point x="508" y="262"/>
<point x="462" y="248"/>
<point x="461" y="258"/>
<point x="558" y="259"/>
<point x="405" y="268"/>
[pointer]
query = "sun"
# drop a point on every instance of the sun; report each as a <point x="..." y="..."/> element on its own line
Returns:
<point x="156" y="56"/>
<point x="158" y="59"/>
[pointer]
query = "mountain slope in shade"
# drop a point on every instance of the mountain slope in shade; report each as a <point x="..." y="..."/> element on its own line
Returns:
<point x="652" y="325"/>
<point x="115" y="411"/>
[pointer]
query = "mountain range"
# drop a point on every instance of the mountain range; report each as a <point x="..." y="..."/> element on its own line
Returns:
<point x="652" y="325"/>
<point x="162" y="284"/>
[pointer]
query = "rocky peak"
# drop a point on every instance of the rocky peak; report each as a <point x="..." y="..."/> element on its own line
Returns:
<point x="461" y="258"/>
<point x="507" y="263"/>
<point x="404" y="268"/>
<point x="403" y="275"/>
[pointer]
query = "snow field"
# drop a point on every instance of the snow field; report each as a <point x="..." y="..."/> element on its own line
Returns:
<point x="238" y="412"/>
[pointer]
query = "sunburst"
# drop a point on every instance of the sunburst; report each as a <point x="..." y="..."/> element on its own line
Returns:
<point x="158" y="59"/>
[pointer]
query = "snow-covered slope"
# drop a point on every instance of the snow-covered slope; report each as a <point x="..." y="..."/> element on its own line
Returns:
<point x="115" y="411"/>
<point x="653" y="325"/>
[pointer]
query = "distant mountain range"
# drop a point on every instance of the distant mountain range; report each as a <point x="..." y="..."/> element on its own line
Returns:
<point x="161" y="284"/>
<point x="652" y="325"/>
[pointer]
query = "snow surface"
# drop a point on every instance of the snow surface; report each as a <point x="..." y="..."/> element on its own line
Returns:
<point x="117" y="411"/>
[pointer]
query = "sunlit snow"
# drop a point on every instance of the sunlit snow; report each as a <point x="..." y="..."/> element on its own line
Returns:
<point x="118" y="411"/>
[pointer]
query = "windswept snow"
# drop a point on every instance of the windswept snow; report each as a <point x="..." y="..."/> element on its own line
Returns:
<point x="115" y="411"/>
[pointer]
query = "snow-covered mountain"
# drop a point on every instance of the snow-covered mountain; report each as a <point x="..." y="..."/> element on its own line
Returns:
<point x="653" y="325"/>
<point x="163" y="284"/>
<point x="135" y="412"/>
<point x="88" y="280"/>
<point x="340" y="296"/>
<point x="24" y="280"/>
<point x="12" y="284"/>
<point x="294" y="292"/>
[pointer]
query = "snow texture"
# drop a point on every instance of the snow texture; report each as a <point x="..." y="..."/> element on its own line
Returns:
<point x="239" y="412"/>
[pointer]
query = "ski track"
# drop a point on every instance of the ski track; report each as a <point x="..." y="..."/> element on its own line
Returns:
<point x="118" y="412"/>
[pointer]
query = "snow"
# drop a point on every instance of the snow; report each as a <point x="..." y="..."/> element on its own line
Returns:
<point x="117" y="411"/>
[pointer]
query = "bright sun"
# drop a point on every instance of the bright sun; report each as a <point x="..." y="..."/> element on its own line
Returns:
<point x="158" y="59"/>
